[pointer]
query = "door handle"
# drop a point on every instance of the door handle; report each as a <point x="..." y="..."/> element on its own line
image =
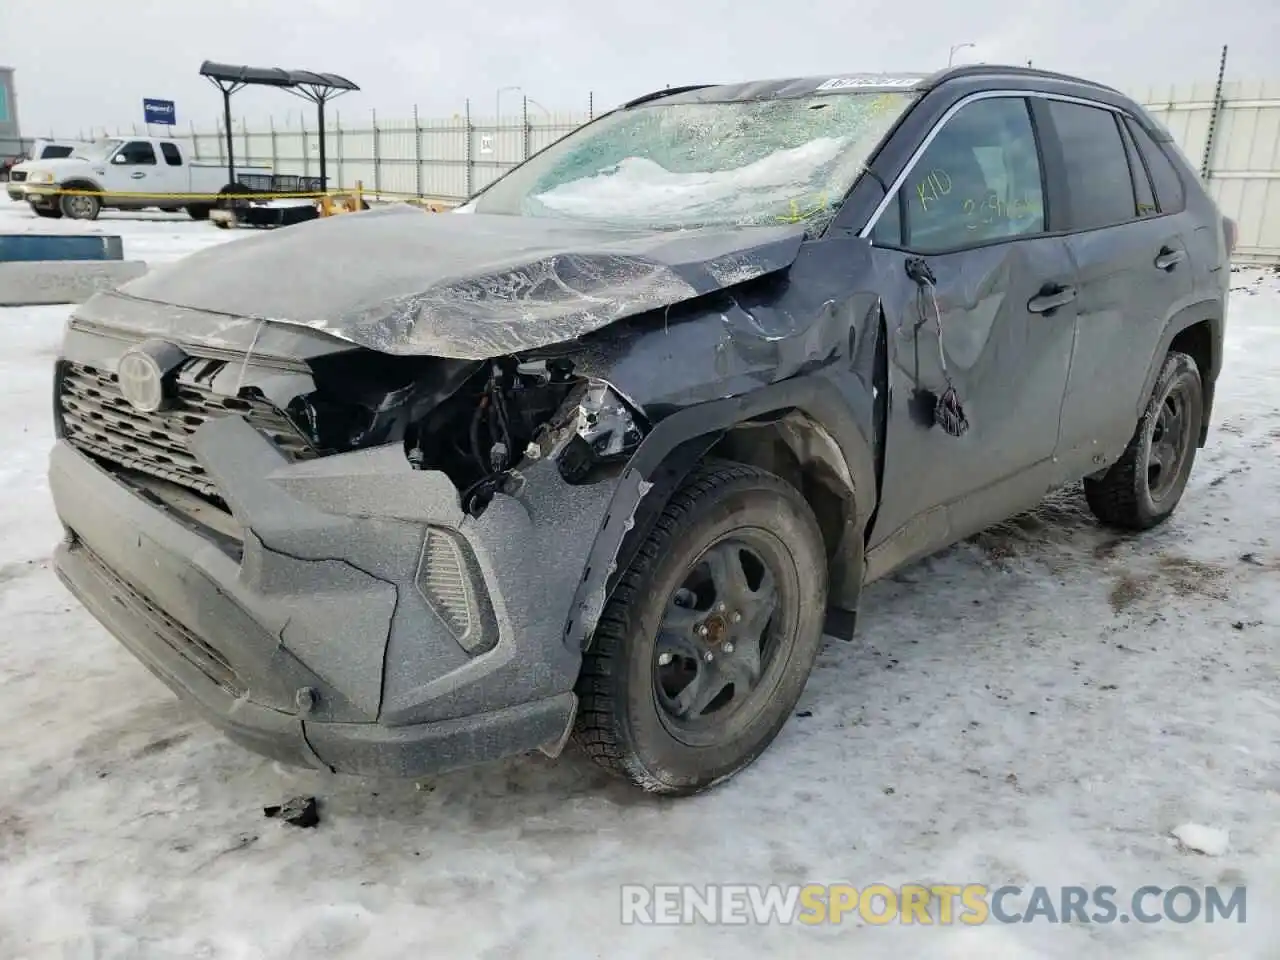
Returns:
<point x="137" y="176"/>
<point x="1168" y="258"/>
<point x="1050" y="298"/>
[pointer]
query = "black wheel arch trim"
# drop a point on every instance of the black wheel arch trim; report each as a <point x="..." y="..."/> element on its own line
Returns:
<point x="81" y="184"/>
<point x="671" y="451"/>
<point x="1206" y="311"/>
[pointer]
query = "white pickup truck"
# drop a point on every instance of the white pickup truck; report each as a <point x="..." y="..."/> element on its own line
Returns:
<point x="128" y="173"/>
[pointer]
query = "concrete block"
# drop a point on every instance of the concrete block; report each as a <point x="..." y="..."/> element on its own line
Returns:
<point x="62" y="281"/>
<point x="38" y="246"/>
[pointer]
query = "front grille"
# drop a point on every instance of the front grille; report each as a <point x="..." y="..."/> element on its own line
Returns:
<point x="99" y="420"/>
<point x="183" y="642"/>
<point x="17" y="176"/>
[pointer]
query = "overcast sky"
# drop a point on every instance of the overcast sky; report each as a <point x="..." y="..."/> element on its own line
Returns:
<point x="83" y="63"/>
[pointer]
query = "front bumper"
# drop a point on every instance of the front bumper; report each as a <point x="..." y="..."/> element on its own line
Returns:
<point x="40" y="194"/>
<point x="317" y="645"/>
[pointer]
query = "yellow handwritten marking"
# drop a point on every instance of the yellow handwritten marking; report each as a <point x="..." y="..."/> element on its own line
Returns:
<point x="797" y="215"/>
<point x="883" y="104"/>
<point x="936" y="185"/>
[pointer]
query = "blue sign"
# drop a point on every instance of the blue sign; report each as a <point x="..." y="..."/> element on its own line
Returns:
<point x="4" y="103"/>
<point x="160" y="111"/>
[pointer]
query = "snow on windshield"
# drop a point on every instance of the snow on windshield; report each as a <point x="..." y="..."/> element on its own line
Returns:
<point x="685" y="165"/>
<point x="639" y="188"/>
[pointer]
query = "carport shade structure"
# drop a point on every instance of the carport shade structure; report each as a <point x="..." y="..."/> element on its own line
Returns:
<point x="319" y="88"/>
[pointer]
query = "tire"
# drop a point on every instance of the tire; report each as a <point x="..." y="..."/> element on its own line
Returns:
<point x="629" y="689"/>
<point x="170" y="209"/>
<point x="226" y="197"/>
<point x="49" y="213"/>
<point x="1144" y="486"/>
<point x="199" y="211"/>
<point x="80" y="207"/>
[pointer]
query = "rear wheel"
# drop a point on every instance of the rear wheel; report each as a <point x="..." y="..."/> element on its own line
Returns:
<point x="199" y="211"/>
<point x="1144" y="486"/>
<point x="706" y="644"/>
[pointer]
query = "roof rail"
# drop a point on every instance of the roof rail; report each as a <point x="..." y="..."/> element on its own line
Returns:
<point x="990" y="69"/>
<point x="669" y="91"/>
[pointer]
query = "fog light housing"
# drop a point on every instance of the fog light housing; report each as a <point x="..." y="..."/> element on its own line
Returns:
<point x="449" y="581"/>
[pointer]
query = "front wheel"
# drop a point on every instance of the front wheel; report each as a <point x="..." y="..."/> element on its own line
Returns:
<point x="705" y="646"/>
<point x="80" y="206"/>
<point x="49" y="213"/>
<point x="1144" y="486"/>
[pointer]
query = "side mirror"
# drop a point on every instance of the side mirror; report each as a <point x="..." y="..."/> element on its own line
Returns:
<point x="120" y="158"/>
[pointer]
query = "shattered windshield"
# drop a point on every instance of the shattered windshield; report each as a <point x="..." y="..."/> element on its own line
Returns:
<point x="685" y="165"/>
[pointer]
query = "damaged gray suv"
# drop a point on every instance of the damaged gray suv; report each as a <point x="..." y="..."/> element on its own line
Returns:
<point x="603" y="453"/>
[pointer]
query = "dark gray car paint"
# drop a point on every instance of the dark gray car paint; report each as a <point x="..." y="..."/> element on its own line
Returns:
<point x="467" y="287"/>
<point x="799" y="335"/>
<point x="1010" y="368"/>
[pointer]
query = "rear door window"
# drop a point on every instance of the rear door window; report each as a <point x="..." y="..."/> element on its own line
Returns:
<point x="171" y="155"/>
<point x="1097" y="169"/>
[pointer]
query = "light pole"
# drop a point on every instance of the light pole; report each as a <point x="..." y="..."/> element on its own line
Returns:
<point x="955" y="47"/>
<point x="497" y="104"/>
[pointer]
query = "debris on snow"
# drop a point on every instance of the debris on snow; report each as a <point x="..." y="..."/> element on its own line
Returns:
<point x="300" y="811"/>
<point x="1210" y="841"/>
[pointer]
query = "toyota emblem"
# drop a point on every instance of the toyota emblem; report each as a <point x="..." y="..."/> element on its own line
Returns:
<point x="141" y="372"/>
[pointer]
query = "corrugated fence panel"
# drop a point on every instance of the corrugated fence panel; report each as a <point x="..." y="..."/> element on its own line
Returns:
<point x="357" y="154"/>
<point x="444" y="157"/>
<point x="1245" y="174"/>
<point x="1244" y="164"/>
<point x="397" y="157"/>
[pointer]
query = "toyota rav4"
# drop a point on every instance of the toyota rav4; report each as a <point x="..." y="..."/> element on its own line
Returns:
<point x="601" y="454"/>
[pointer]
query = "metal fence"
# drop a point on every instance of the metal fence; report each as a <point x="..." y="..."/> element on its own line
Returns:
<point x="1229" y="131"/>
<point x="1232" y="135"/>
<point x="442" y="158"/>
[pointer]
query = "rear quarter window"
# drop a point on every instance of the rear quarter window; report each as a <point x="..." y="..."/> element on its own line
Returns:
<point x="1141" y="179"/>
<point x="1170" y="192"/>
<point x="55" y="153"/>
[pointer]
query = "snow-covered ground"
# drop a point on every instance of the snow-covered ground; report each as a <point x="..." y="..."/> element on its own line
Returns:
<point x="1042" y="706"/>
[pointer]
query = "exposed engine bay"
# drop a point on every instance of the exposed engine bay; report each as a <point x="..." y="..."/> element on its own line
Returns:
<point x="475" y="421"/>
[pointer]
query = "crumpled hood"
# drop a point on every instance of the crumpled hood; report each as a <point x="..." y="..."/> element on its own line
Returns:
<point x="470" y="286"/>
